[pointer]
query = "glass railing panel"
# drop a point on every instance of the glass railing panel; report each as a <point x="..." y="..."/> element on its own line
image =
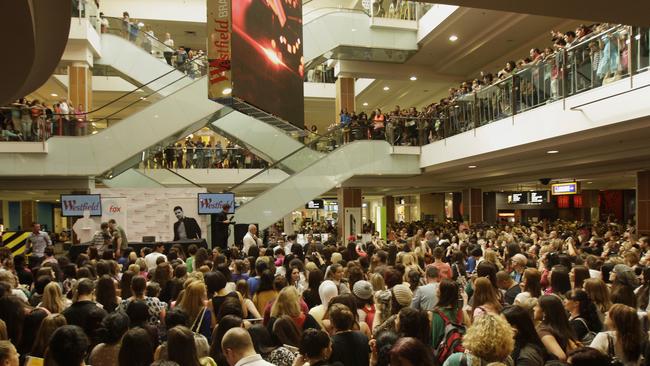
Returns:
<point x="640" y="48"/>
<point x="400" y="9"/>
<point x="89" y="10"/>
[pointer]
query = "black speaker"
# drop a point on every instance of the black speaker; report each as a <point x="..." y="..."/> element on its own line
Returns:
<point x="240" y="232"/>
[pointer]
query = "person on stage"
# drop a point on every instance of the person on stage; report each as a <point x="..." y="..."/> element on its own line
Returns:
<point x="222" y="222"/>
<point x="186" y="227"/>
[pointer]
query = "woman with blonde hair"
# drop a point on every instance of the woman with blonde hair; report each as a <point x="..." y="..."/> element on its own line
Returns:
<point x="51" y="323"/>
<point x="53" y="299"/>
<point x="288" y="303"/>
<point x="491" y="256"/>
<point x="193" y="303"/>
<point x="489" y="339"/>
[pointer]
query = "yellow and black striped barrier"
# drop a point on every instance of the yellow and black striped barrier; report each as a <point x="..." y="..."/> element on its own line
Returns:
<point x="15" y="240"/>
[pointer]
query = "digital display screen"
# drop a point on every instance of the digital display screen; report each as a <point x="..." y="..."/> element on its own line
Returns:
<point x="564" y="188"/>
<point x="75" y="205"/>
<point x="538" y="197"/>
<point x="315" y="204"/>
<point x="267" y="56"/>
<point x="517" y="198"/>
<point x="212" y="203"/>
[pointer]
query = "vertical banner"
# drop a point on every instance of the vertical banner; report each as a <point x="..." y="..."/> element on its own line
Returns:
<point x="380" y="213"/>
<point x="352" y="222"/>
<point x="219" y="48"/>
<point x="115" y="208"/>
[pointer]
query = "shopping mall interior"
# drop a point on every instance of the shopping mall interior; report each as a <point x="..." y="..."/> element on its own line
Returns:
<point x="325" y="183"/>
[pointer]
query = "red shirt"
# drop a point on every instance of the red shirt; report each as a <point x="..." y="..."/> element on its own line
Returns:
<point x="444" y="269"/>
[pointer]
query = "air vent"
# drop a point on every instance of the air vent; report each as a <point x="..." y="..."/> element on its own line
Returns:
<point x="190" y="33"/>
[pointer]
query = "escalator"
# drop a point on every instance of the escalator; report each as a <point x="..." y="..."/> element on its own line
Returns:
<point x="359" y="158"/>
<point x="267" y="136"/>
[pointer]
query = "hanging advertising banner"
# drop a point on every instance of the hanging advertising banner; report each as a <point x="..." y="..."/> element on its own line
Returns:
<point x="219" y="48"/>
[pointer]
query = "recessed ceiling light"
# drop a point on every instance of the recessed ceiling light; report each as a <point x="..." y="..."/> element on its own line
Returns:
<point x="54" y="95"/>
<point x="365" y="104"/>
<point x="472" y="166"/>
<point x="38" y="200"/>
<point x="354" y="30"/>
<point x="589" y="182"/>
<point x="552" y="152"/>
<point x="413" y="78"/>
<point x="58" y="200"/>
<point x="386" y="88"/>
<point x="226" y="91"/>
<point x="453" y="38"/>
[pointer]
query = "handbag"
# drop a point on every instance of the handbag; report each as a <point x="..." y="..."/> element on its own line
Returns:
<point x="198" y="322"/>
<point x="611" y="352"/>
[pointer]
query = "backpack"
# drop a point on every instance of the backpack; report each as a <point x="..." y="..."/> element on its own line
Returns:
<point x="452" y="341"/>
<point x="589" y="337"/>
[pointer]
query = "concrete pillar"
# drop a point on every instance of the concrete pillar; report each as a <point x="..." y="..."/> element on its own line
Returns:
<point x="473" y="205"/>
<point x="27" y="210"/>
<point x="433" y="204"/>
<point x="80" y="90"/>
<point x="458" y="211"/>
<point x="643" y="202"/>
<point x="288" y="224"/>
<point x="349" y="212"/>
<point x="389" y="203"/>
<point x="590" y="208"/>
<point x="344" y="95"/>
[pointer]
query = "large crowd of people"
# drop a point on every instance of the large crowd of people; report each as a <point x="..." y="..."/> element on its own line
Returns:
<point x="549" y="293"/>
<point x="203" y="155"/>
<point x="25" y="120"/>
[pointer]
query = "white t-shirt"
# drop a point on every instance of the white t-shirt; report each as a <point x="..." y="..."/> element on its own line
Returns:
<point x="151" y="258"/>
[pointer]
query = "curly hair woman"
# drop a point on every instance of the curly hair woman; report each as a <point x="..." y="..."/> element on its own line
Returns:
<point x="489" y="339"/>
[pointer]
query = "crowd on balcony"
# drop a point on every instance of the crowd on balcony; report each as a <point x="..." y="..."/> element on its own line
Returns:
<point x="430" y="294"/>
<point x="576" y="60"/>
<point x="34" y="120"/>
<point x="187" y="60"/>
<point x="197" y="154"/>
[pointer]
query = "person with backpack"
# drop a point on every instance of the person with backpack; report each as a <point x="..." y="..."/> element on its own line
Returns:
<point x="448" y="322"/>
<point x="489" y="339"/>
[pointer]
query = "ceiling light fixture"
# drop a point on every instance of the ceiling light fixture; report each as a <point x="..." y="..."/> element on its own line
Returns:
<point x="589" y="182"/>
<point x="365" y="104"/>
<point x="354" y="30"/>
<point x="472" y="166"/>
<point x="226" y="91"/>
<point x="54" y="95"/>
<point x="413" y="78"/>
<point x="386" y="88"/>
<point x="453" y="38"/>
<point x="552" y="152"/>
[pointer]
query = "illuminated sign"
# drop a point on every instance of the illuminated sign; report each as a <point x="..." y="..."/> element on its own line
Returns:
<point x="212" y="203"/>
<point x="219" y="48"/>
<point x="564" y="188"/>
<point x="538" y="197"/>
<point x="518" y="198"/>
<point x="315" y="205"/>
<point x="75" y="205"/>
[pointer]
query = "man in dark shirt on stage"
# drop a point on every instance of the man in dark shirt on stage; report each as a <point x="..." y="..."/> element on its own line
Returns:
<point x="221" y="229"/>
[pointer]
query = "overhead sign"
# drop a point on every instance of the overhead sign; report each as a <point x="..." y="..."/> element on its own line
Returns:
<point x="564" y="188"/>
<point x="315" y="205"/>
<point x="76" y="204"/>
<point x="538" y="197"/>
<point x="518" y="198"/>
<point x="212" y="203"/>
<point x="219" y="48"/>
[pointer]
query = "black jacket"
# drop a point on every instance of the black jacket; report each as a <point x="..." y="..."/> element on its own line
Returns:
<point x="192" y="229"/>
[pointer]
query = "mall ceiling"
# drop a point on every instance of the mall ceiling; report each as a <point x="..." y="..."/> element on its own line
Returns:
<point x="634" y="12"/>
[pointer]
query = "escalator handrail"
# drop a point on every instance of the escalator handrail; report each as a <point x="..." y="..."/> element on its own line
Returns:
<point x="326" y="136"/>
<point x="194" y="60"/>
